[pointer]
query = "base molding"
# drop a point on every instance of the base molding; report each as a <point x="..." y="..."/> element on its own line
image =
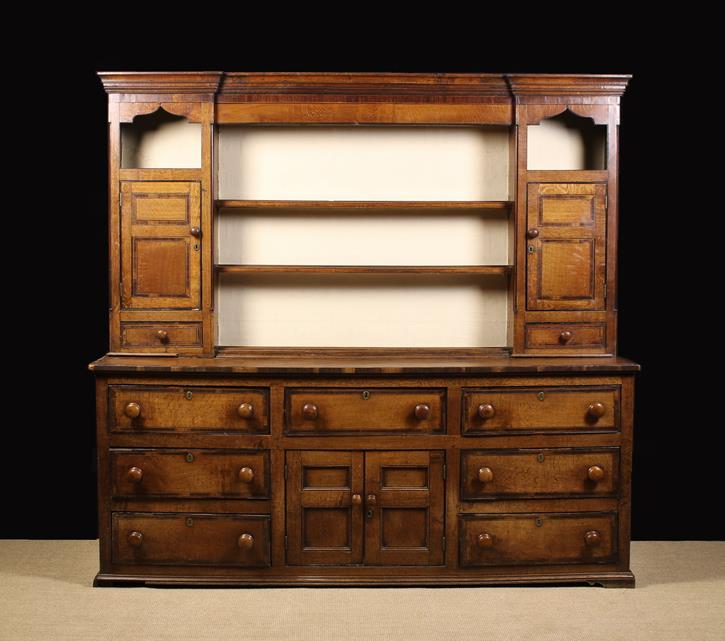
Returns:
<point x="603" y="579"/>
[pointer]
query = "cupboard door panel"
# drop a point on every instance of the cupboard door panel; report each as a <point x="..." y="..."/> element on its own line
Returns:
<point x="324" y="508"/>
<point x="160" y="258"/>
<point x="566" y="254"/>
<point x="404" y="508"/>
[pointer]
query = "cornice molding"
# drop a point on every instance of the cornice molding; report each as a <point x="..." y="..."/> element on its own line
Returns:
<point x="143" y="82"/>
<point x="567" y="84"/>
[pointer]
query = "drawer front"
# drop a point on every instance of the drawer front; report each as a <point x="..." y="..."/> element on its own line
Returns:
<point x="490" y="474"/>
<point x="540" y="409"/>
<point x="183" y="409"/>
<point x="162" y="337"/>
<point x="190" y="473"/>
<point x="566" y="338"/>
<point x="325" y="410"/>
<point x="524" y="539"/>
<point x="191" y="539"/>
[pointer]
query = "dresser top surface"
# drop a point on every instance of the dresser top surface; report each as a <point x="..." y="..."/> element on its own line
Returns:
<point x="372" y="365"/>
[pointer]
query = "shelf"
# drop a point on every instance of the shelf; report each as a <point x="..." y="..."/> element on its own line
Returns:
<point x="468" y="270"/>
<point x="369" y="205"/>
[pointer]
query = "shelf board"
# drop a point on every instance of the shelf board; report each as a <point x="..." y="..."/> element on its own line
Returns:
<point x="368" y="205"/>
<point x="470" y="270"/>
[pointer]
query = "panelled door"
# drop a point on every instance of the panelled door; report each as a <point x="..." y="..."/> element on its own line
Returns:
<point x="373" y="508"/>
<point x="566" y="254"/>
<point x="160" y="245"/>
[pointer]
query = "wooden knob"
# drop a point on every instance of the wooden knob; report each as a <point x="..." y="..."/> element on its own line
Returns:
<point x="246" y="410"/>
<point x="595" y="473"/>
<point x="565" y="336"/>
<point x="195" y="232"/>
<point x="372" y="499"/>
<point x="132" y="410"/>
<point x="484" y="540"/>
<point x="485" y="474"/>
<point x="310" y="411"/>
<point x="596" y="410"/>
<point x="134" y="474"/>
<point x="486" y="410"/>
<point x="422" y="411"/>
<point x="246" y="475"/>
<point x="135" y="539"/>
<point x="533" y="233"/>
<point x="592" y="538"/>
<point x="163" y="336"/>
<point x="356" y="499"/>
<point x="245" y="541"/>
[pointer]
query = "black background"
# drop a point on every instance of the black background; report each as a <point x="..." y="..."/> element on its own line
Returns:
<point x="56" y="283"/>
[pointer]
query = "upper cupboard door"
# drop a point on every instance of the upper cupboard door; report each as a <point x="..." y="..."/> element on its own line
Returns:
<point x="160" y="245"/>
<point x="566" y="254"/>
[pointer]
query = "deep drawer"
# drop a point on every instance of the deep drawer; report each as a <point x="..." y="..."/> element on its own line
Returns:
<point x="488" y="474"/>
<point x="540" y="409"/>
<point x="234" y="409"/>
<point x="191" y="539"/>
<point x="522" y="539"/>
<point x="190" y="473"/>
<point x="325" y="410"/>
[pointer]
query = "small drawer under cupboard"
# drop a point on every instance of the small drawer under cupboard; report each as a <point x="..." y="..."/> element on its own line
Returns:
<point x="564" y="338"/>
<point x="540" y="409"/>
<point x="162" y="337"/>
<point x="524" y="539"/>
<point x="538" y="473"/>
<point x="225" y="474"/>
<point x="191" y="539"/>
<point x="326" y="410"/>
<point x="140" y="408"/>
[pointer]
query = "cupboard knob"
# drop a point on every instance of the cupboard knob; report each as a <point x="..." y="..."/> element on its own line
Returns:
<point x="565" y="336"/>
<point x="356" y="499"/>
<point x="422" y="411"/>
<point x="486" y="410"/>
<point x="485" y="474"/>
<point x="163" y="336"/>
<point x="195" y="232"/>
<point x="246" y="410"/>
<point x="245" y="541"/>
<point x="484" y="540"/>
<point x="596" y="410"/>
<point x="246" y="475"/>
<point x="372" y="499"/>
<point x="533" y="233"/>
<point x="595" y="473"/>
<point x="134" y="474"/>
<point x="309" y="411"/>
<point x="132" y="410"/>
<point x="135" y="539"/>
<point x="592" y="538"/>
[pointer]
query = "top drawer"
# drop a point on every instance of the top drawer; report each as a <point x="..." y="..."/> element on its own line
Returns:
<point x="325" y="410"/>
<point x="188" y="409"/>
<point x="540" y="409"/>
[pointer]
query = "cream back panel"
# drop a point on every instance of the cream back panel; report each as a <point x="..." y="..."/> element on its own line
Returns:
<point x="363" y="163"/>
<point x="253" y="237"/>
<point x="556" y="144"/>
<point x="161" y="144"/>
<point x="362" y="311"/>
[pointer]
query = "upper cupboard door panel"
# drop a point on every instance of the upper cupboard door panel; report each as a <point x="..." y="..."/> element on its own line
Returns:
<point x="566" y="254"/>
<point x="160" y="245"/>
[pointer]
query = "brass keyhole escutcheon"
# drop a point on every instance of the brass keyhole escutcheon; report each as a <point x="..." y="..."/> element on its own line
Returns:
<point x="189" y="458"/>
<point x="540" y="457"/>
<point x="189" y="395"/>
<point x="539" y="521"/>
<point x="370" y="514"/>
<point x="189" y="522"/>
<point x="541" y="396"/>
<point x="366" y="395"/>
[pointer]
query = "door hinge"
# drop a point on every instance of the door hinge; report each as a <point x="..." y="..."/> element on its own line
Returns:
<point x="444" y="543"/>
<point x="285" y="471"/>
<point x="445" y="471"/>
